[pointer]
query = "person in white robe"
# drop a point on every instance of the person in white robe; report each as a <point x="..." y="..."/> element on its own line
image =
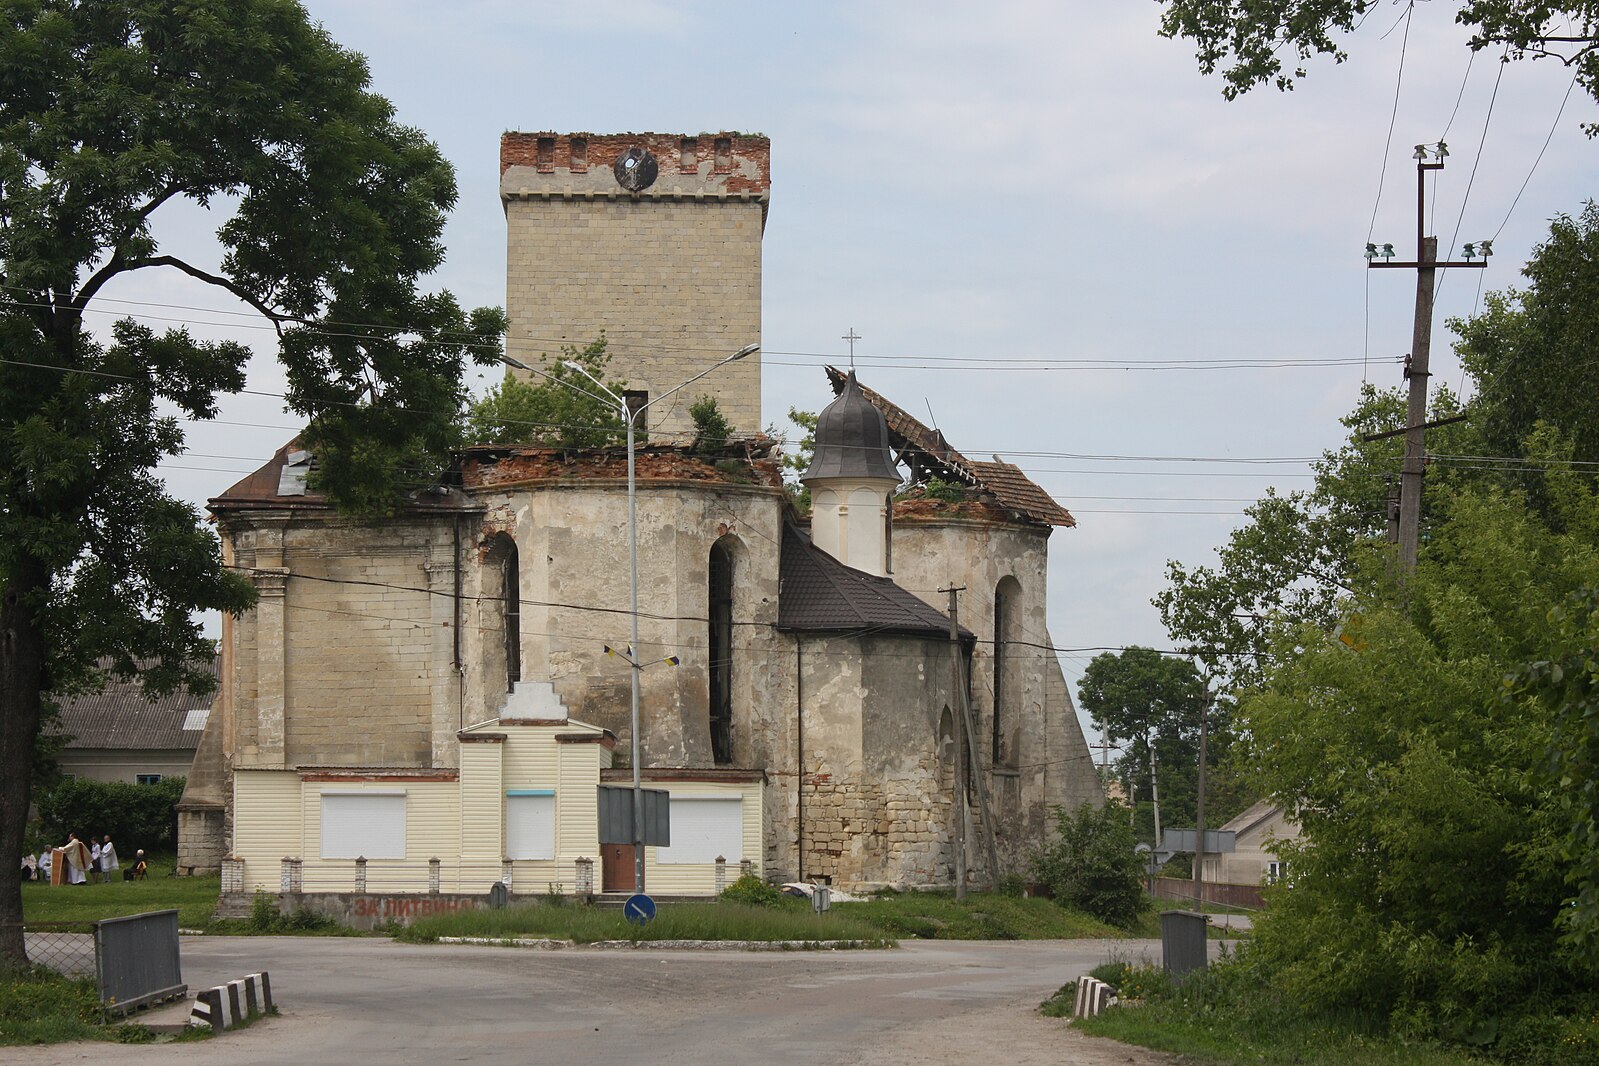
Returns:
<point x="77" y="856"/>
<point x="108" y="860"/>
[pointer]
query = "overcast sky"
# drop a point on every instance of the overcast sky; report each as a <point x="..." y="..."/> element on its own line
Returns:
<point x="980" y="187"/>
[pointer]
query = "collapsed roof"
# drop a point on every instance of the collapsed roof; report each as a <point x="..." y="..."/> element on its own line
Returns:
<point x="928" y="454"/>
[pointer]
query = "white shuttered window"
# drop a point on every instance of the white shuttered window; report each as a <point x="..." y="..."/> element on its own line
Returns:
<point x="530" y="824"/>
<point x="363" y="823"/>
<point x="704" y="827"/>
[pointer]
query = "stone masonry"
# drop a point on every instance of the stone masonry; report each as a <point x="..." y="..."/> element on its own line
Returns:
<point x="671" y="275"/>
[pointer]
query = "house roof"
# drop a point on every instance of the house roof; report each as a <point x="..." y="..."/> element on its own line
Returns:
<point x="1258" y="812"/>
<point x="926" y="451"/>
<point x="119" y="716"/>
<point x="281" y="482"/>
<point x="819" y="593"/>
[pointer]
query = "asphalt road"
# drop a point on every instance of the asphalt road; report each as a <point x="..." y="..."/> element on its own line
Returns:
<point x="369" y="1000"/>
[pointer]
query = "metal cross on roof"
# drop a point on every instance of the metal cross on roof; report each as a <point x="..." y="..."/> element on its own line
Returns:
<point x="852" y="337"/>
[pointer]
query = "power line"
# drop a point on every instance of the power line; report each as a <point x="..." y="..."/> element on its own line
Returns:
<point x="1534" y="168"/>
<point x="1470" y="181"/>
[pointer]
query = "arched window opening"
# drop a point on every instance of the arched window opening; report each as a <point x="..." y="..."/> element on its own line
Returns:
<point x="1007" y="624"/>
<point x="719" y="644"/>
<point x="510" y="594"/>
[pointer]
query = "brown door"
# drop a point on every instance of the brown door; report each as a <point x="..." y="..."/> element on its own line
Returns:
<point x="616" y="867"/>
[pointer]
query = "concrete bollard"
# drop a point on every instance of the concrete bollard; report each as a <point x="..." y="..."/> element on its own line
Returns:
<point x="360" y="874"/>
<point x="721" y="874"/>
<point x="433" y="876"/>
<point x="1093" y="996"/>
<point x="232" y="874"/>
<point x="585" y="876"/>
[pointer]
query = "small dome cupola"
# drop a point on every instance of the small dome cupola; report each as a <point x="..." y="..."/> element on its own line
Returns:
<point x="851" y="439"/>
<point x="852" y="478"/>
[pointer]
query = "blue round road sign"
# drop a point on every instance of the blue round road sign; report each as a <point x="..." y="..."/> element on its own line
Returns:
<point x="639" y="908"/>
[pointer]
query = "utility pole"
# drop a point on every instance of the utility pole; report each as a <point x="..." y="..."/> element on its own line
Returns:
<point x="1426" y="267"/>
<point x="1154" y="792"/>
<point x="958" y="808"/>
<point x="1199" y="806"/>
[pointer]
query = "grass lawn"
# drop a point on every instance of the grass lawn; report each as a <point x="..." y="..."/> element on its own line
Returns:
<point x="674" y="921"/>
<point x="194" y="897"/>
<point x="1217" y="1038"/>
<point x="980" y="916"/>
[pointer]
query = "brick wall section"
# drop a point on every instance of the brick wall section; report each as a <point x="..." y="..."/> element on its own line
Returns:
<point x="746" y="162"/>
<point x="671" y="276"/>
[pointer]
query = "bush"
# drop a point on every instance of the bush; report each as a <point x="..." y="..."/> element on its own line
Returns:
<point x="1091" y="864"/>
<point x="135" y="816"/>
<point x="712" y="430"/>
<point x="266" y="918"/>
<point x="753" y="891"/>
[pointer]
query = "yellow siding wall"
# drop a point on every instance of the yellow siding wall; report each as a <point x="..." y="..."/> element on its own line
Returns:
<point x="266" y="824"/>
<point x="462" y="823"/>
<point x="477" y="863"/>
<point x="699" y="879"/>
<point x="432" y="821"/>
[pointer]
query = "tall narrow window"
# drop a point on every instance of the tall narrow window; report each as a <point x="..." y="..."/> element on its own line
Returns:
<point x="720" y="647"/>
<point x="511" y="594"/>
<point x="1007" y="667"/>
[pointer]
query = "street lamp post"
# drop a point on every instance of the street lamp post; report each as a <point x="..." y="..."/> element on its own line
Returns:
<point x="630" y="417"/>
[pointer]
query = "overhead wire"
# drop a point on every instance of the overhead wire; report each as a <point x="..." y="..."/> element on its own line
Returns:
<point x="1382" y="176"/>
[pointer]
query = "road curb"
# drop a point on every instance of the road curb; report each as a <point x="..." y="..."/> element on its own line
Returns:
<point x="546" y="944"/>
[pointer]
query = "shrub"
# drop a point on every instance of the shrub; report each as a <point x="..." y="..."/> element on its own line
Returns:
<point x="1091" y="864"/>
<point x="712" y="430"/>
<point x="266" y="918"/>
<point x="1012" y="885"/>
<point x="135" y="816"/>
<point x="753" y="891"/>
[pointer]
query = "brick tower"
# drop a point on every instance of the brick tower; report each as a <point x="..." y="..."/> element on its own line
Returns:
<point x="652" y="238"/>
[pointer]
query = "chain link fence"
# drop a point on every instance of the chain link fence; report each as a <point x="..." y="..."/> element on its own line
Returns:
<point x="66" y="947"/>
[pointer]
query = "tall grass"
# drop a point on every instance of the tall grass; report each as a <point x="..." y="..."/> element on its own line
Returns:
<point x="674" y="921"/>
<point x="981" y="916"/>
<point x="39" y="1006"/>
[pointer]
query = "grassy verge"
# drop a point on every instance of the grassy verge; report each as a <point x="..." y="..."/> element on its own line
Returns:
<point x="1222" y="1039"/>
<point x="1225" y="1016"/>
<point x="194" y="897"/>
<point x="42" y="1007"/>
<point x="679" y="921"/>
<point x="980" y="916"/>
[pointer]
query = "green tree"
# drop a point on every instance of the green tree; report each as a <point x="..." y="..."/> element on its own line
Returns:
<point x="1294" y="558"/>
<point x="1091" y="864"/>
<point x="1531" y="354"/>
<point x="712" y="430"/>
<point x="1149" y="700"/>
<point x="1430" y="878"/>
<point x="1250" y="41"/>
<point x="560" y="408"/>
<point x="109" y="111"/>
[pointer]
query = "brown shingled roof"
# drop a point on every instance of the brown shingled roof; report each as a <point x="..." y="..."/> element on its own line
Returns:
<point x="1020" y="493"/>
<point x="1014" y="490"/>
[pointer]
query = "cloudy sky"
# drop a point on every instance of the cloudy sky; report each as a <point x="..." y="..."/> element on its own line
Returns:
<point x="1023" y="208"/>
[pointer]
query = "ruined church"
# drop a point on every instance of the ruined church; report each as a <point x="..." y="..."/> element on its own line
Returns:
<point x="431" y="703"/>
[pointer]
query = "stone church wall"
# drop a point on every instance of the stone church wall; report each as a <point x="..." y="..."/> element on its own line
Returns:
<point x="672" y="275"/>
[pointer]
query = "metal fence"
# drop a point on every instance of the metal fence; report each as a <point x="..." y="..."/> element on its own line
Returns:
<point x="136" y="959"/>
<point x="65" y="947"/>
<point x="133" y="960"/>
